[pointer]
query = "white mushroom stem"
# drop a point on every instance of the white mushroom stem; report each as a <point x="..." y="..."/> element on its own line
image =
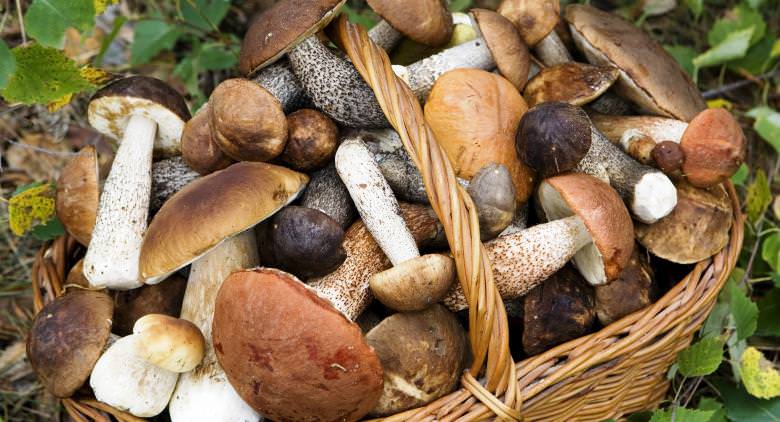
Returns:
<point x="113" y="254"/>
<point x="523" y="259"/>
<point x="384" y="35"/>
<point x="375" y="201"/>
<point x="551" y="50"/>
<point x="204" y="394"/>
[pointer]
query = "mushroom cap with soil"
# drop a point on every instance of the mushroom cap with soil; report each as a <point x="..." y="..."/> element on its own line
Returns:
<point x="78" y="193"/>
<point x="311" y="364"/>
<point x="312" y="140"/>
<point x="474" y="115"/>
<point x="185" y="227"/>
<point x="162" y="298"/>
<point x="572" y="82"/>
<point x="649" y="76"/>
<point x="199" y="148"/>
<point x="425" y="21"/>
<point x="415" y="284"/>
<point x="67" y="337"/>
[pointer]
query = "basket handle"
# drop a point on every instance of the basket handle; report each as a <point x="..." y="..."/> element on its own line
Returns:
<point x="488" y="325"/>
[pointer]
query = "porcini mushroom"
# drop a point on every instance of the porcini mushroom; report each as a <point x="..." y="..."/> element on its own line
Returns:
<point x="169" y="342"/>
<point x="146" y="114"/>
<point x="312" y="140"/>
<point x="78" y="193"/>
<point x="311" y="364"/>
<point x="558" y="137"/>
<point x="649" y="76"/>
<point x="199" y="148"/>
<point x="572" y="82"/>
<point x="536" y="20"/>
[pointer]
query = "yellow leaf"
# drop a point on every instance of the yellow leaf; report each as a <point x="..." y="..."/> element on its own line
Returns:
<point x="100" y="5"/>
<point x="59" y="103"/>
<point x="94" y="75"/>
<point x="720" y="103"/>
<point x="760" y="377"/>
<point x="30" y="207"/>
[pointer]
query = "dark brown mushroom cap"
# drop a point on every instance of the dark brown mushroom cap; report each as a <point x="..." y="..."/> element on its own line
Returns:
<point x="553" y="137"/>
<point x="312" y="140"/>
<point x="533" y="18"/>
<point x="306" y="242"/>
<point x="281" y="27"/>
<point x="633" y="290"/>
<point x="162" y="298"/>
<point x="572" y="82"/>
<point x="247" y="122"/>
<point x="714" y="147"/>
<point x="111" y="107"/>
<point x="668" y="156"/>
<point x="651" y="77"/>
<point x="289" y="354"/>
<point x="78" y="195"/>
<point x="210" y="209"/>
<point x="697" y="228"/>
<point x="422" y="355"/>
<point x="67" y="338"/>
<point x="199" y="150"/>
<point x="604" y="214"/>
<point x="507" y="47"/>
<point x="425" y="21"/>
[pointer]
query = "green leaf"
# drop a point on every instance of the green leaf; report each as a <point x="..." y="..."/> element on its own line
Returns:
<point x="152" y="37"/>
<point x="364" y="17"/>
<point x="52" y="229"/>
<point x="7" y="64"/>
<point x="737" y="19"/>
<point x="717" y="321"/>
<point x="757" y="59"/>
<point x="696" y="7"/>
<point x="758" y="196"/>
<point x="768" y="310"/>
<point x="744" y="310"/>
<point x="734" y="46"/>
<point x="681" y="414"/>
<point x="701" y="358"/>
<point x="775" y="52"/>
<point x="215" y="56"/>
<point x="709" y="403"/>
<point x="741" y="175"/>
<point x="767" y="125"/>
<point x="743" y="407"/>
<point x="759" y="375"/>
<point x="204" y="14"/>
<point x="755" y="4"/>
<point x="770" y="251"/>
<point x="108" y="39"/>
<point x="460" y="5"/>
<point x="684" y="55"/>
<point x="42" y="75"/>
<point x="47" y="20"/>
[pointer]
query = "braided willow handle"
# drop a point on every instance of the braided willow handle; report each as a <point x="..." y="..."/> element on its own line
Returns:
<point x="488" y="326"/>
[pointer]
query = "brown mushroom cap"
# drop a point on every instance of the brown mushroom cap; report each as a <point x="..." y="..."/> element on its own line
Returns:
<point x="650" y="76"/>
<point x="247" y="122"/>
<point x="111" y="107"/>
<point x="289" y="354"/>
<point x="697" y="228"/>
<point x="199" y="150"/>
<point x="281" y="27"/>
<point x="162" y="298"/>
<point x="424" y="21"/>
<point x="534" y="19"/>
<point x="474" y="115"/>
<point x="312" y="140"/>
<point x="422" y="355"/>
<point x="67" y="337"/>
<point x="668" y="156"/>
<point x="714" y="147"/>
<point x="415" y="284"/>
<point x="78" y="194"/>
<point x="604" y="215"/>
<point x="213" y="208"/>
<point x="633" y="290"/>
<point x="572" y="82"/>
<point x="507" y="47"/>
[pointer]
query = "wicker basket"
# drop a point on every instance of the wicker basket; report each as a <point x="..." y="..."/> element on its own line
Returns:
<point x="618" y="370"/>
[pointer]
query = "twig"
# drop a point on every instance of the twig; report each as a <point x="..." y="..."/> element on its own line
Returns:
<point x="714" y="93"/>
<point x="21" y="21"/>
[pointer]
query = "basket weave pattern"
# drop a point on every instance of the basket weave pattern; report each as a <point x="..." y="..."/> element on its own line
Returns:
<point x="619" y="370"/>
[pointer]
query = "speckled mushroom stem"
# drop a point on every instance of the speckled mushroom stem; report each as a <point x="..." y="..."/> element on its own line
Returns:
<point x="168" y="177"/>
<point x="281" y="82"/>
<point x="113" y="254"/>
<point x="384" y="35"/>
<point x="204" y="394"/>
<point x="552" y="51"/>
<point x="327" y="193"/>
<point x="524" y="259"/>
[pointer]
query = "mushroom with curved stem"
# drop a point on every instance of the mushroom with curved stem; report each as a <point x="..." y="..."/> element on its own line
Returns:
<point x="536" y="20"/>
<point x="146" y="114"/>
<point x="558" y="137"/>
<point x="571" y="82"/>
<point x="327" y="193"/>
<point x="78" y="193"/>
<point x="649" y="76"/>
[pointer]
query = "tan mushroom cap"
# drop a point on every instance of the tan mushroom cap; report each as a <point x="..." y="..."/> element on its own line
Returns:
<point x="714" y="147"/>
<point x="650" y="76"/>
<point x="572" y="82"/>
<point x="604" y="215"/>
<point x="67" y="337"/>
<point x="534" y="19"/>
<point x="198" y="148"/>
<point x="425" y="21"/>
<point x="474" y="115"/>
<point x="213" y="208"/>
<point x="697" y="228"/>
<point x="169" y="342"/>
<point x="281" y="27"/>
<point x="415" y="284"/>
<point x="78" y="194"/>
<point x="507" y="47"/>
<point x="290" y="354"/>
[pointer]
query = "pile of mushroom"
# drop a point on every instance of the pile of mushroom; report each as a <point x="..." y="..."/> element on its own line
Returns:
<point x="231" y="254"/>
